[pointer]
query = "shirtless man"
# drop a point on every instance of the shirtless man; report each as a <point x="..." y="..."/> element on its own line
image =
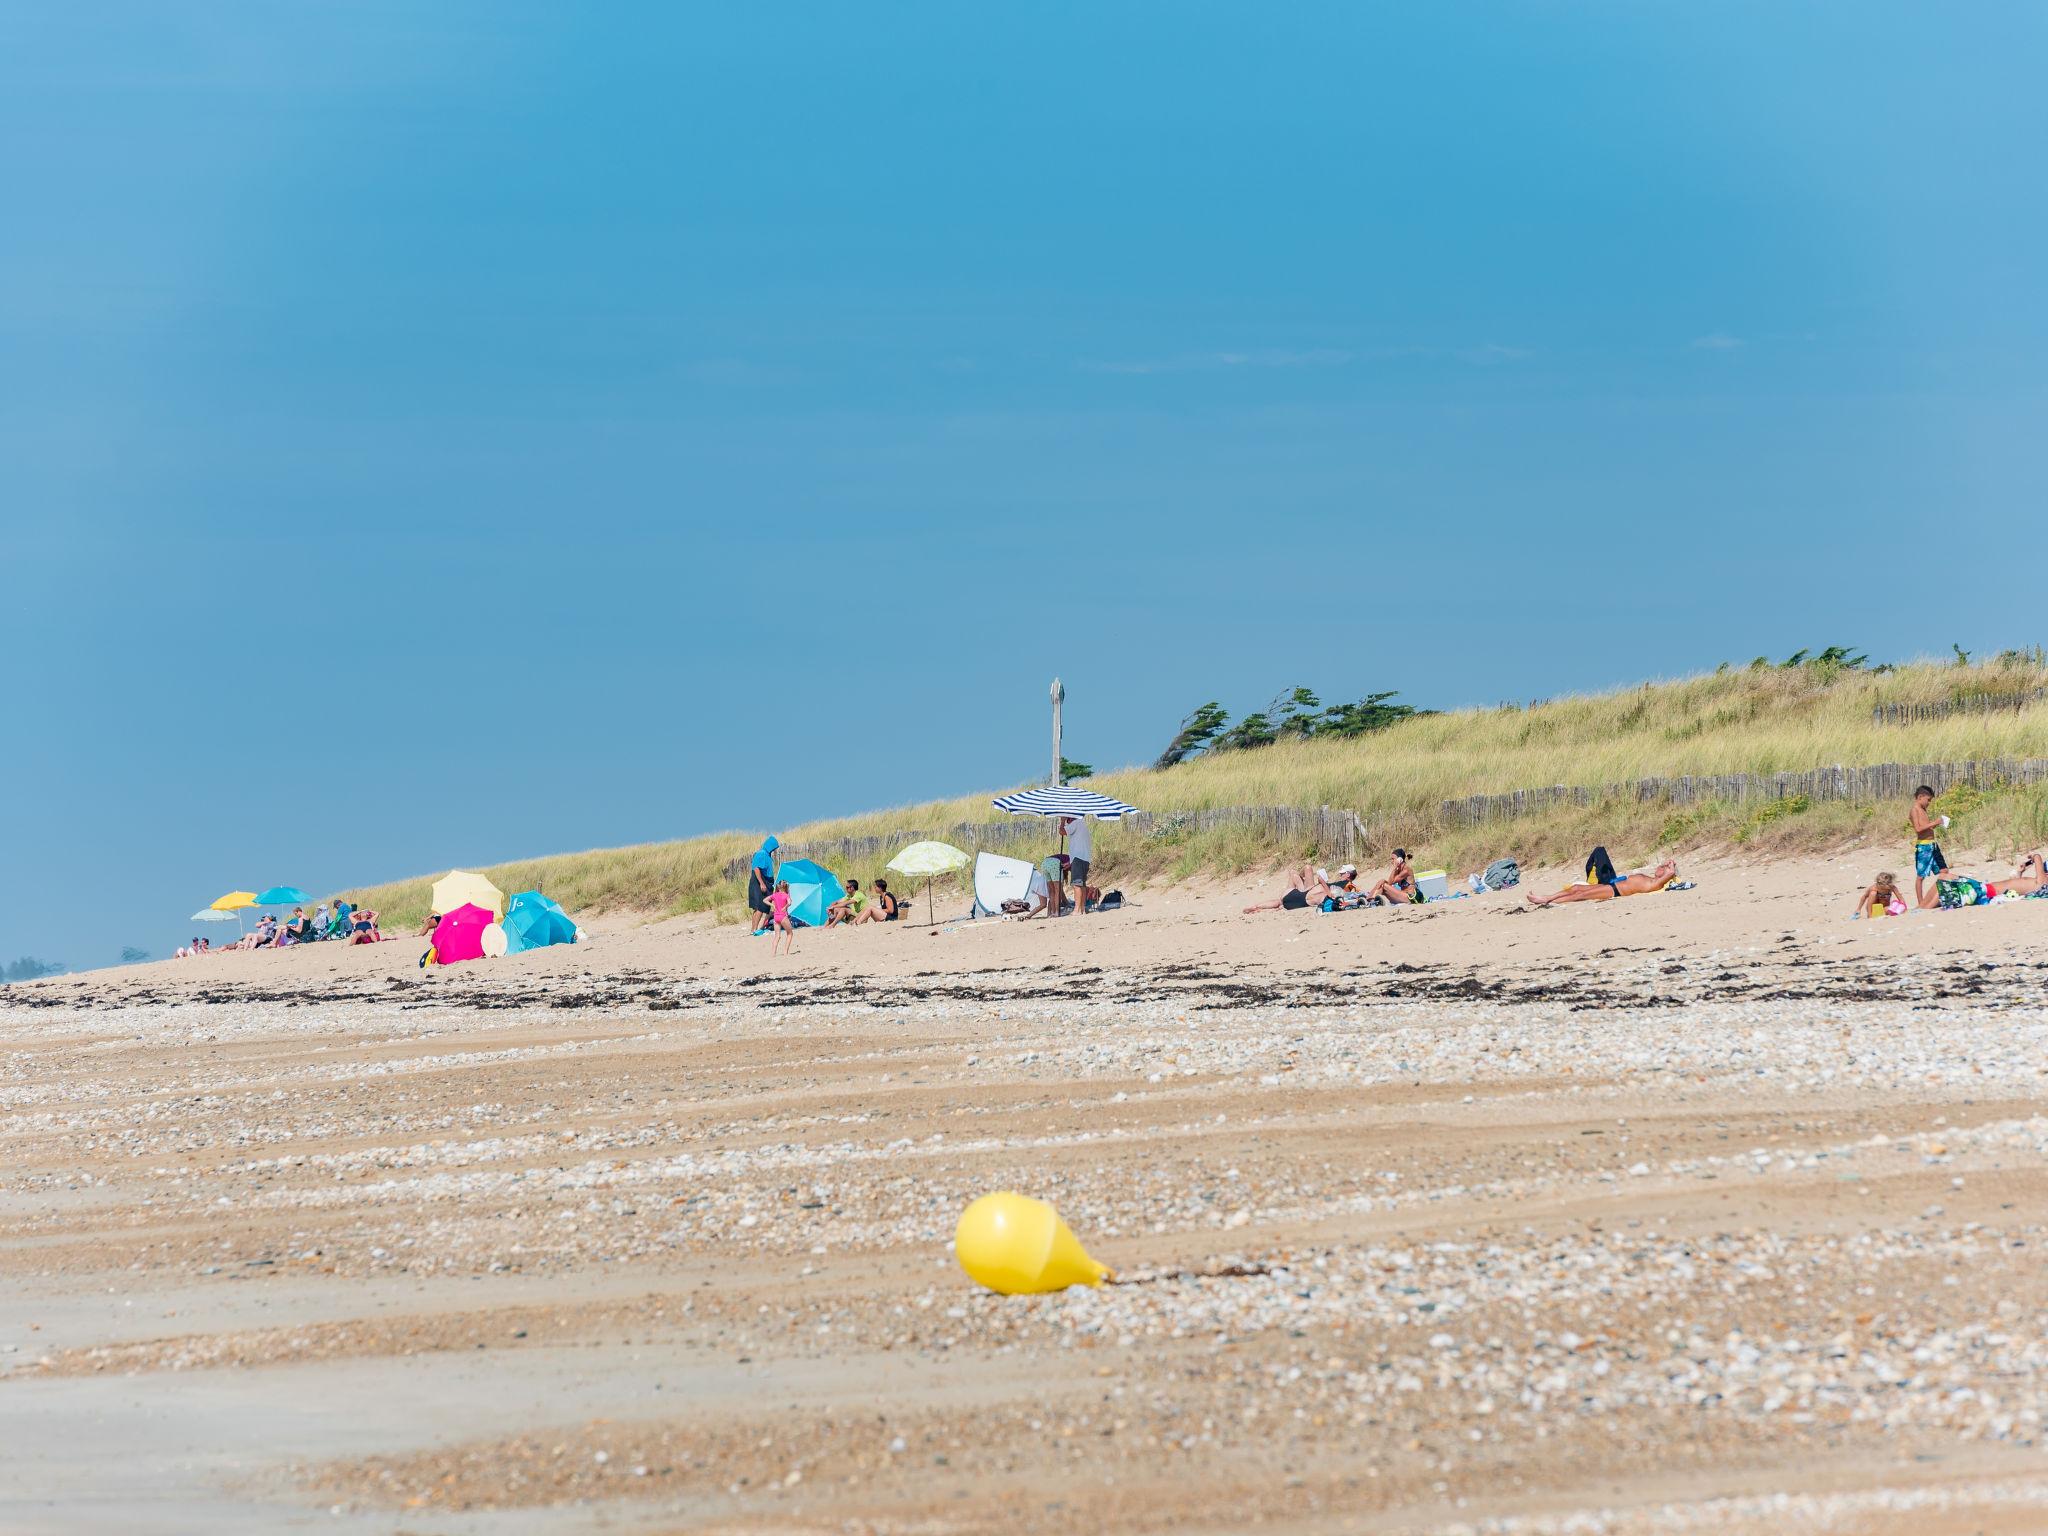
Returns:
<point x="1641" y="883"/>
<point x="1307" y="890"/>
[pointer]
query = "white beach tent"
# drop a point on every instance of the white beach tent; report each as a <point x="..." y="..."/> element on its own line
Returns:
<point x="997" y="880"/>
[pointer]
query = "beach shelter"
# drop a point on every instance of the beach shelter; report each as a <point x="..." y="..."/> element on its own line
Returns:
<point x="927" y="861"/>
<point x="459" y="886"/>
<point x="812" y="888"/>
<point x="282" y="896"/>
<point x="533" y="921"/>
<point x="998" y="879"/>
<point x="460" y="934"/>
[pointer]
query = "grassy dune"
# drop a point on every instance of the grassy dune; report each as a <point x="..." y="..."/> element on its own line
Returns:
<point x="1763" y="720"/>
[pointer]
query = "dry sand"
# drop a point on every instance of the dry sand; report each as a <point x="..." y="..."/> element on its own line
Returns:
<point x="1713" y="1210"/>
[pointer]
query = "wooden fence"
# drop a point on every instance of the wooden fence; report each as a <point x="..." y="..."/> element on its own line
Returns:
<point x="1330" y="832"/>
<point x="1981" y="704"/>
<point x="1335" y="833"/>
<point x="1879" y="781"/>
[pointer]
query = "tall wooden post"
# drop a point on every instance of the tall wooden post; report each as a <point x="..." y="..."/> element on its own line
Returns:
<point x="1059" y="697"/>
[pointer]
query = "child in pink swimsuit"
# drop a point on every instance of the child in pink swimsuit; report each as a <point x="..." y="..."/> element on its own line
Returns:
<point x="778" y="917"/>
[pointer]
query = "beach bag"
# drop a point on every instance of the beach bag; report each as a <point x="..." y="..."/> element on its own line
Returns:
<point x="1112" y="899"/>
<point x="1501" y="874"/>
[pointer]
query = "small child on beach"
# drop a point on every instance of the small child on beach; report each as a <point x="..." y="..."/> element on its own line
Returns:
<point x="778" y="918"/>
<point x="1927" y="860"/>
<point x="1881" y="897"/>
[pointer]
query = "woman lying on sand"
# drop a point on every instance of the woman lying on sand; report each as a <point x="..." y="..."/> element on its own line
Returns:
<point x="1641" y="883"/>
<point x="1307" y="890"/>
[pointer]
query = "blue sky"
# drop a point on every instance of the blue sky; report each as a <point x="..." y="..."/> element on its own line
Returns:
<point x="435" y="433"/>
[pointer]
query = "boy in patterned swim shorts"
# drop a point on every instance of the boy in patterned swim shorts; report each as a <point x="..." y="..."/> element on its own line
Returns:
<point x="1927" y="860"/>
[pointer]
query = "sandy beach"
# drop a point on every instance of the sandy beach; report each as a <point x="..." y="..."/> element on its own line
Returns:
<point x="1710" y="1210"/>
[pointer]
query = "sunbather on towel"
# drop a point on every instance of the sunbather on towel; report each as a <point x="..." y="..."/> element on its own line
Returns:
<point x="1306" y="890"/>
<point x="1641" y="883"/>
<point x="2030" y="877"/>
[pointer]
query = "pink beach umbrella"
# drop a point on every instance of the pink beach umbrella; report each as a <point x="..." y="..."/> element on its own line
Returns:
<point x="460" y="934"/>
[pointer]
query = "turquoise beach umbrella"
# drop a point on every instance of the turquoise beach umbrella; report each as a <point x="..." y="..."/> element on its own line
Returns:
<point x="534" y="921"/>
<point x="812" y="888"/>
<point x="282" y="896"/>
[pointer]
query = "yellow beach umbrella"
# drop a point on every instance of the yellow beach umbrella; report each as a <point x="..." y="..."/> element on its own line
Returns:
<point x="234" y="901"/>
<point x="927" y="861"/>
<point x="458" y="887"/>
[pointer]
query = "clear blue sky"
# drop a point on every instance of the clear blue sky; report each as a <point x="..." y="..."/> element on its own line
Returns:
<point x="434" y="433"/>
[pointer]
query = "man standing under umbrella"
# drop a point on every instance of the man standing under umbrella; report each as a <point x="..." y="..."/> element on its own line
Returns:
<point x="1080" y="838"/>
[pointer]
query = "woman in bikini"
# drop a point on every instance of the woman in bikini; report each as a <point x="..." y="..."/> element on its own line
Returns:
<point x="1399" y="886"/>
<point x="1305" y="891"/>
<point x="1641" y="883"/>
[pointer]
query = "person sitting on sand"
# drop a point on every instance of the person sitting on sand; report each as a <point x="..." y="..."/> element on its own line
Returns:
<point x="342" y="924"/>
<point x="363" y="928"/>
<point x="426" y="929"/>
<point x="1640" y="883"/>
<point x="1399" y="886"/>
<point x="1306" y="889"/>
<point x="299" y="930"/>
<point x="848" y="908"/>
<point x="881" y="907"/>
<point x="266" y="932"/>
<point x="1881" y="897"/>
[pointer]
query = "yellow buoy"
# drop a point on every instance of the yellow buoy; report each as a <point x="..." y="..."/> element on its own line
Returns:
<point x="1019" y="1247"/>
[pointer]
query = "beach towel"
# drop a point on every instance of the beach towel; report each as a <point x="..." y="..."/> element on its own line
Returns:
<point x="1599" y="867"/>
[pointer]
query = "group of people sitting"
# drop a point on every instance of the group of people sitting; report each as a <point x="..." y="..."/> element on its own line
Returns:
<point x="1338" y="890"/>
<point x="879" y="905"/>
<point x="351" y="925"/>
<point x="858" y="906"/>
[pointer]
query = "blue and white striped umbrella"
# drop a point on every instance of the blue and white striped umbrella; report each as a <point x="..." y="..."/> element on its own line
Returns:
<point x="1063" y="800"/>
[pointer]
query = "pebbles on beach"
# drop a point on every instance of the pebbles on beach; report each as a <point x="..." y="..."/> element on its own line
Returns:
<point x="1379" y="1253"/>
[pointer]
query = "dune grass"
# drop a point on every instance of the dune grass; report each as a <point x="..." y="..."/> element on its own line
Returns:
<point x="1746" y="720"/>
